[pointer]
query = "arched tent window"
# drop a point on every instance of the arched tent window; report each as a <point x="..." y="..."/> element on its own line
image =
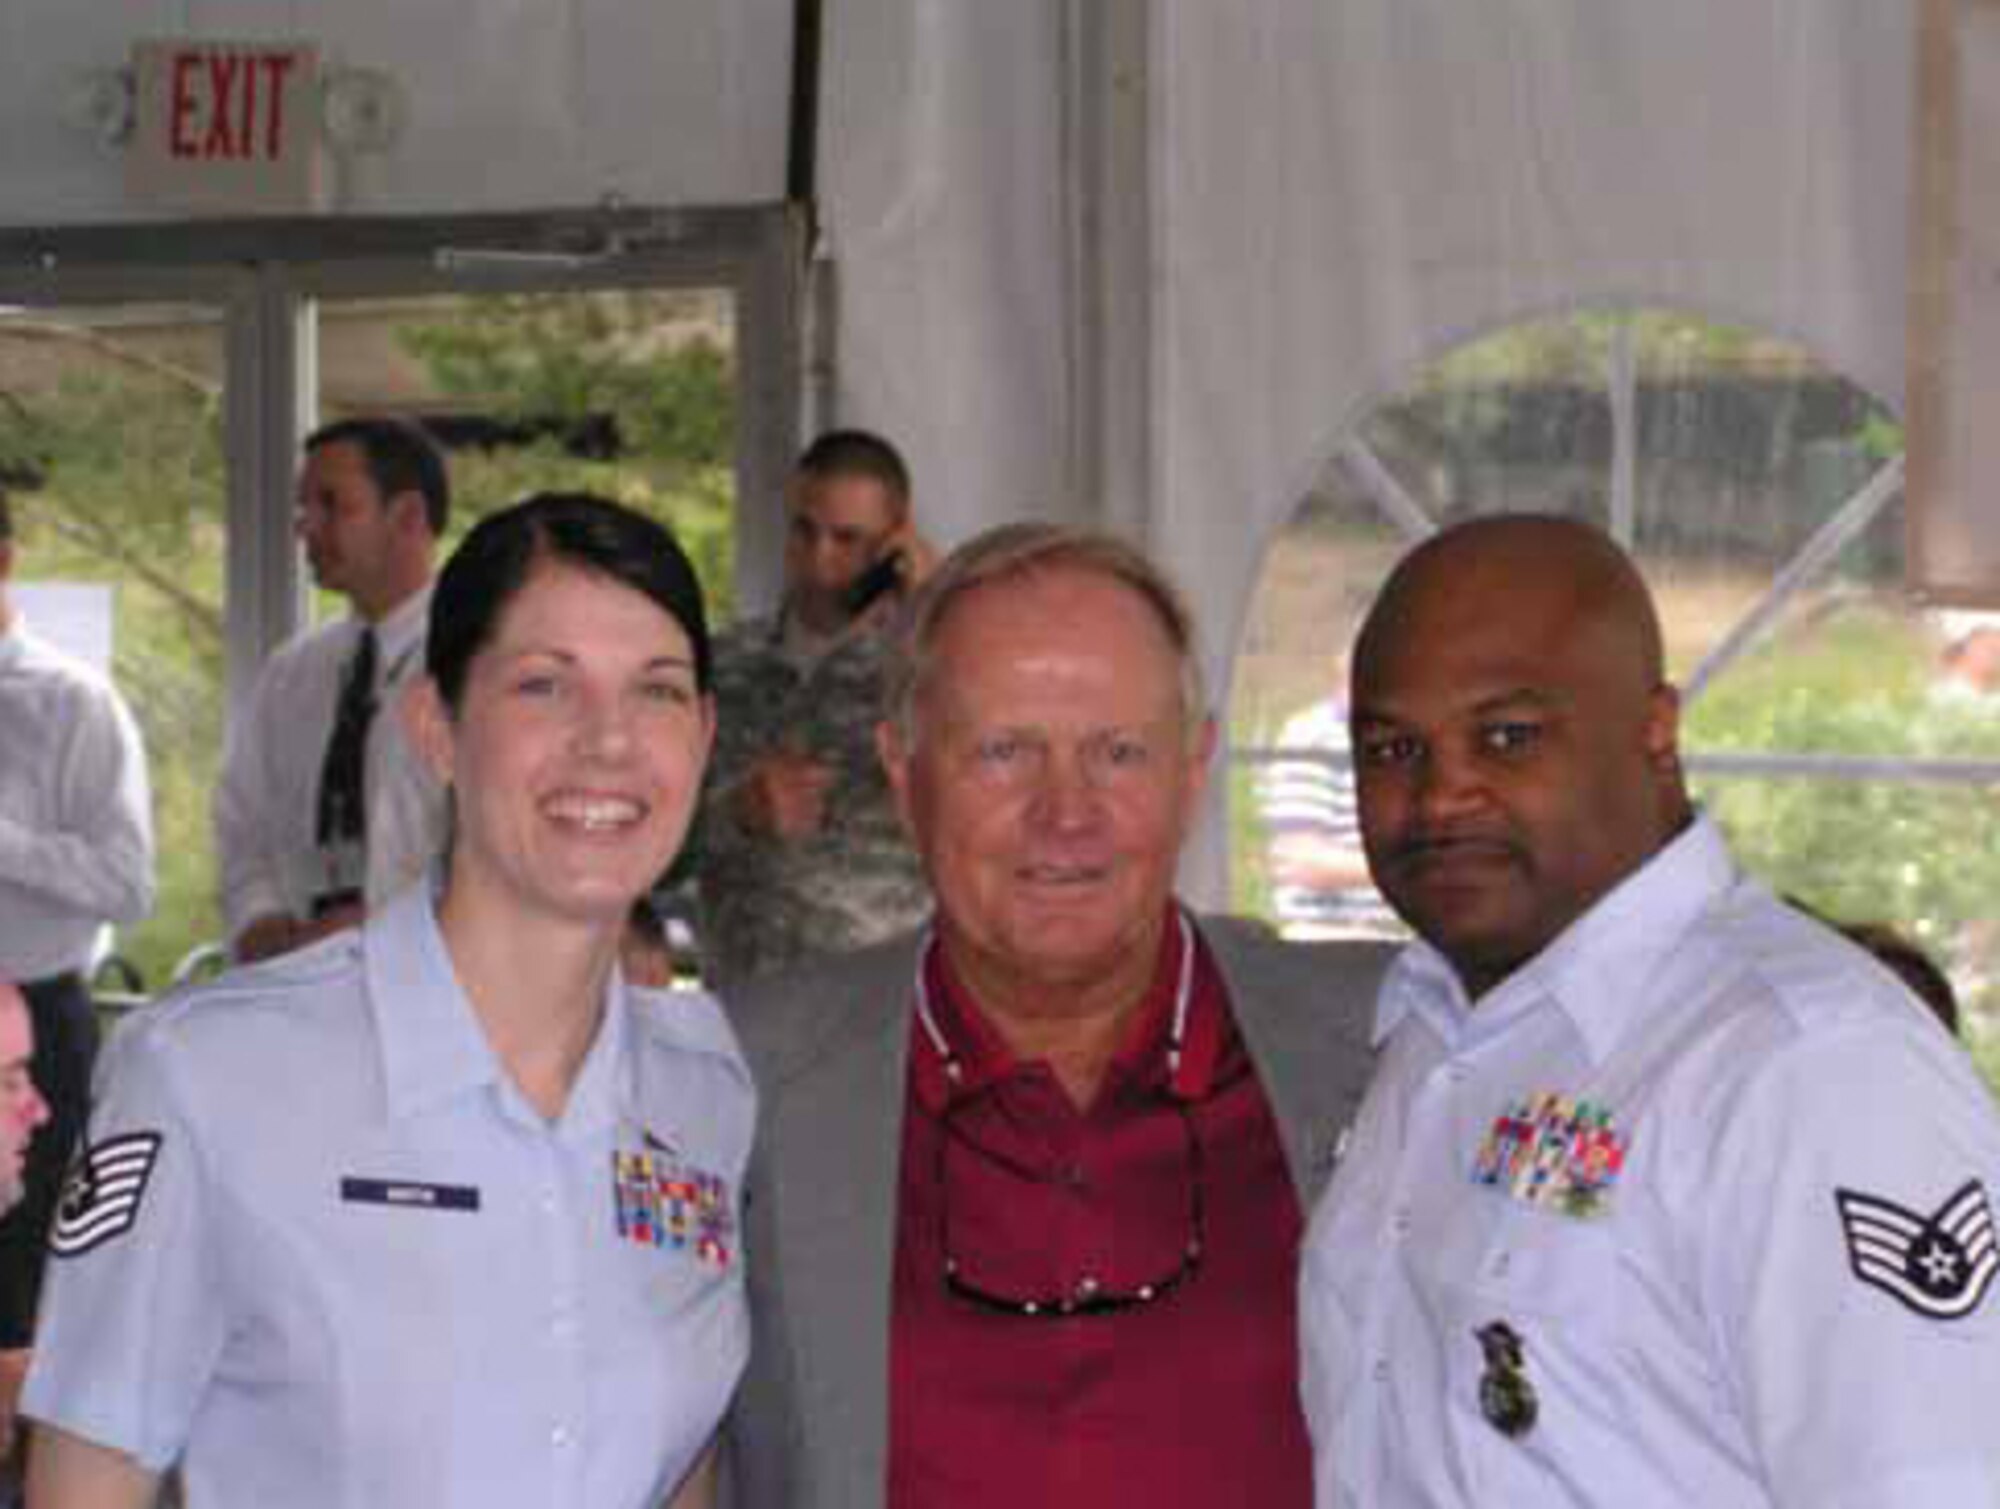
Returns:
<point x="1847" y="738"/>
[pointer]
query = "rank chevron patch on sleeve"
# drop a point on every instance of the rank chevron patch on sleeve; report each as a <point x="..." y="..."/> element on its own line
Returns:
<point x="1939" y="1265"/>
<point x="100" y="1198"/>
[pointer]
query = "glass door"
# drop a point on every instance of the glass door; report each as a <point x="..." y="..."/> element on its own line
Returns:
<point x="111" y="456"/>
<point x="154" y="390"/>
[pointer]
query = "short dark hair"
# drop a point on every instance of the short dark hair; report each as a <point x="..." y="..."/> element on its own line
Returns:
<point x="494" y="561"/>
<point x="1911" y="965"/>
<point x="400" y="456"/>
<point x="858" y="453"/>
<point x="1902" y="956"/>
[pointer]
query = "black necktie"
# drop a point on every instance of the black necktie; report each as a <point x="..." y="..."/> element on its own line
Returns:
<point x="342" y="776"/>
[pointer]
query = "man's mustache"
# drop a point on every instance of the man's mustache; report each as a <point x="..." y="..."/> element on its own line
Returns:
<point x="1422" y="845"/>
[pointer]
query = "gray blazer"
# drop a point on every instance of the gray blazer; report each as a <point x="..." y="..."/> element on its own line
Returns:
<point x="829" y="1050"/>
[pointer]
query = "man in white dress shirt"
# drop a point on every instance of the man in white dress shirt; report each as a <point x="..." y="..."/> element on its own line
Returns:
<point x="324" y="809"/>
<point x="1664" y="1194"/>
<point x="76" y="853"/>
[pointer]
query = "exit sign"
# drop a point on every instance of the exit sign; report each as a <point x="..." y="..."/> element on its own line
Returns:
<point x="225" y="127"/>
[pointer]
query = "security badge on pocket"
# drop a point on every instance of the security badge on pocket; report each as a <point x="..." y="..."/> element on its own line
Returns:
<point x="661" y="1200"/>
<point x="1554" y="1152"/>
<point x="1506" y="1397"/>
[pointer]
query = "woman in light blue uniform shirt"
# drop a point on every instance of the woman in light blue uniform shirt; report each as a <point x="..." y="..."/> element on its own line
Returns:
<point x="440" y="1211"/>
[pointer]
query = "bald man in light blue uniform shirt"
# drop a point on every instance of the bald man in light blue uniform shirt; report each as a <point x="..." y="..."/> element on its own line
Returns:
<point x="1664" y="1195"/>
<point x="407" y="1276"/>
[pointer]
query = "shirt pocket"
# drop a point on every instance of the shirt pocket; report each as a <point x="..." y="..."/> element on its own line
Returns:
<point x="671" y="1241"/>
<point x="1547" y="1268"/>
<point x="669" y="1327"/>
<point x="1556" y="1287"/>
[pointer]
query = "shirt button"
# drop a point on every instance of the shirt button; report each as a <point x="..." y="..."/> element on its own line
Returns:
<point x="1400" y="1222"/>
<point x="1381" y="1370"/>
<point x="559" y="1438"/>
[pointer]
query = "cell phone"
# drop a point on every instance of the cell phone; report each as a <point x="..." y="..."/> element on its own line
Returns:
<point x="884" y="576"/>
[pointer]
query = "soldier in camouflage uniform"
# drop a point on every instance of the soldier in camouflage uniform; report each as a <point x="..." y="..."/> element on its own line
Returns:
<point x="801" y="849"/>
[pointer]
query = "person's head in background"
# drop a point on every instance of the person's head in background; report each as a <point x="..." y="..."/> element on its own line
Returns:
<point x="22" y="1108"/>
<point x="847" y="507"/>
<point x="1911" y="964"/>
<point x="1900" y="955"/>
<point x="374" y="497"/>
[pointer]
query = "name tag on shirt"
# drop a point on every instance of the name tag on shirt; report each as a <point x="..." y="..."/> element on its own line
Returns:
<point x="409" y="1194"/>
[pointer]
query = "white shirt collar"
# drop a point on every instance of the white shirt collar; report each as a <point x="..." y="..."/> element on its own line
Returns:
<point x="1589" y="969"/>
<point x="398" y="634"/>
<point x="433" y="1047"/>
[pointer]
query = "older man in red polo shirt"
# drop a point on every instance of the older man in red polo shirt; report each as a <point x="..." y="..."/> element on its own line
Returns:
<point x="1025" y="1209"/>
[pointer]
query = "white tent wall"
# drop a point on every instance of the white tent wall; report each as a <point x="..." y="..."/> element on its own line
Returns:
<point x="946" y="200"/>
<point x="1335" y="193"/>
<point x="1419" y="171"/>
<point x="508" y="105"/>
<point x="1138" y="260"/>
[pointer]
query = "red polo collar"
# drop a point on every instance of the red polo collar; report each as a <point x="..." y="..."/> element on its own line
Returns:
<point x="982" y="1059"/>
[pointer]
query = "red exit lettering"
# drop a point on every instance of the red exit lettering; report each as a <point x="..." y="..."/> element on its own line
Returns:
<point x="227" y="105"/>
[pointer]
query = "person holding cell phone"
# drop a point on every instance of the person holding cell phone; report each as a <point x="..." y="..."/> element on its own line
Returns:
<point x="799" y="850"/>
